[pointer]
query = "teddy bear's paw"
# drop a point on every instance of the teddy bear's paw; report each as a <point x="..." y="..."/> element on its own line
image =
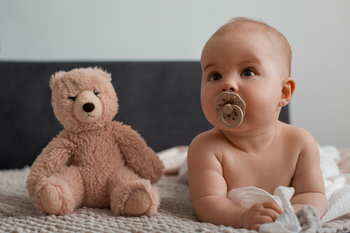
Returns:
<point x="51" y="200"/>
<point x="137" y="203"/>
<point x="137" y="198"/>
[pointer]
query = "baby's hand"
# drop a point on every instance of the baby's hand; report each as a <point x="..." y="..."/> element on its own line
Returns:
<point x="260" y="213"/>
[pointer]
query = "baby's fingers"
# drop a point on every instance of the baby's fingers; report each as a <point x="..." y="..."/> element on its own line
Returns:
<point x="255" y="227"/>
<point x="273" y="205"/>
<point x="270" y="213"/>
<point x="260" y="220"/>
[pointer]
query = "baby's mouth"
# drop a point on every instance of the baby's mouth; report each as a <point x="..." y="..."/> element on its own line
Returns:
<point x="231" y="109"/>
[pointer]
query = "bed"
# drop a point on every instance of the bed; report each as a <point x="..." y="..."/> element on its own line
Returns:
<point x="158" y="99"/>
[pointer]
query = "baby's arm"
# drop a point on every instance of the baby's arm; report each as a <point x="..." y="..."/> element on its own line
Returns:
<point x="209" y="192"/>
<point x="308" y="181"/>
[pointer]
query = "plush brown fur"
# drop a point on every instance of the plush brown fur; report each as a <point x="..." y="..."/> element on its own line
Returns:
<point x="94" y="161"/>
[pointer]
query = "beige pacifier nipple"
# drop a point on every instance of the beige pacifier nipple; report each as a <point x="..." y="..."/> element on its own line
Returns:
<point x="231" y="109"/>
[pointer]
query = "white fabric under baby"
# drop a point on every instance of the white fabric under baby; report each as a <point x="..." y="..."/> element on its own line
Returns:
<point x="286" y="222"/>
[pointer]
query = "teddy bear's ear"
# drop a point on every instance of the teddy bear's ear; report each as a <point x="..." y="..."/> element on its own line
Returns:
<point x="55" y="78"/>
<point x="103" y="73"/>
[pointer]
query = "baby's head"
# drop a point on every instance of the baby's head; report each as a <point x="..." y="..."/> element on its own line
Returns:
<point x="252" y="60"/>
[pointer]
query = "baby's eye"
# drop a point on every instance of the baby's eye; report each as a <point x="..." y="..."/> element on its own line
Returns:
<point x="248" y="72"/>
<point x="96" y="92"/>
<point x="215" y="77"/>
<point x="72" y="98"/>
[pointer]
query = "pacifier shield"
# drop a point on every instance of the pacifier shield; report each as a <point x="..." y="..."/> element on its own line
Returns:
<point x="231" y="109"/>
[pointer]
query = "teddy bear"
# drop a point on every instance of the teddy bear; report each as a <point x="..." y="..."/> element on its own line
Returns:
<point x="94" y="161"/>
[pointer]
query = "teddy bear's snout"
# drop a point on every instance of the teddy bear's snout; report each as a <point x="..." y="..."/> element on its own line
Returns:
<point x="88" y="107"/>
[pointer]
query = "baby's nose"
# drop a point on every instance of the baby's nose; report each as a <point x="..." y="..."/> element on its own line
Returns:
<point x="229" y="86"/>
<point x="228" y="89"/>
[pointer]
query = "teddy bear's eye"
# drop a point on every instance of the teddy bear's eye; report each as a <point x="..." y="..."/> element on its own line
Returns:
<point x="72" y="98"/>
<point x="96" y="92"/>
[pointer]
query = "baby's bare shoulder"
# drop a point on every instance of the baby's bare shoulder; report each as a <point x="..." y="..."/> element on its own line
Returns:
<point x="294" y="132"/>
<point x="211" y="136"/>
<point x="204" y="143"/>
<point x="297" y="137"/>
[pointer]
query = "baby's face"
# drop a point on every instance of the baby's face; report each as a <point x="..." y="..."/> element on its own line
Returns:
<point x="244" y="62"/>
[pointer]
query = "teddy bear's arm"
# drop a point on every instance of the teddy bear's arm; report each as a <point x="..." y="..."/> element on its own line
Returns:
<point x="52" y="158"/>
<point x="138" y="156"/>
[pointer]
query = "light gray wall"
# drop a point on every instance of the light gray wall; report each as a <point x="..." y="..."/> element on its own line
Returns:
<point x="318" y="31"/>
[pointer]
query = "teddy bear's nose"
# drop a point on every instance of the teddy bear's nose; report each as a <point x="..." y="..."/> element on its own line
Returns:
<point x="88" y="107"/>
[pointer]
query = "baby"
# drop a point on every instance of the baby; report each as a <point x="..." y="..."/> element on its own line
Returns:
<point x="246" y="81"/>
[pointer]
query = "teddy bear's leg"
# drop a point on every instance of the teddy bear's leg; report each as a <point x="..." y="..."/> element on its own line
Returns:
<point x="137" y="203"/>
<point x="135" y="197"/>
<point x="60" y="193"/>
<point x="51" y="200"/>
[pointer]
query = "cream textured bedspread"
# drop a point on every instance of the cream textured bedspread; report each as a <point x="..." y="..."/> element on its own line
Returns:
<point x="17" y="213"/>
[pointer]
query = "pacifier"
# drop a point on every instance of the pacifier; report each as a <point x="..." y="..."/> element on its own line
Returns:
<point x="230" y="108"/>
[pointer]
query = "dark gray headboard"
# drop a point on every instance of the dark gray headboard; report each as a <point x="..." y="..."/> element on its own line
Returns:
<point x="161" y="100"/>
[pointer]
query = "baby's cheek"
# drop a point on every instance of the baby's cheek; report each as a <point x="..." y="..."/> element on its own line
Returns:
<point x="208" y="111"/>
<point x="206" y="104"/>
<point x="261" y="111"/>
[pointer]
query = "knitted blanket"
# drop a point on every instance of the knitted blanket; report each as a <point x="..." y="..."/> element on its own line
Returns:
<point x="17" y="213"/>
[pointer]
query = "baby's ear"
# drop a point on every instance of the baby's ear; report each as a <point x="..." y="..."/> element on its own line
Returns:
<point x="288" y="87"/>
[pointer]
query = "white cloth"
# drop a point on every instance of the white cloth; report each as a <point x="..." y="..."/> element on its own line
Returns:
<point x="286" y="222"/>
<point x="329" y="159"/>
<point x="173" y="158"/>
<point x="337" y="184"/>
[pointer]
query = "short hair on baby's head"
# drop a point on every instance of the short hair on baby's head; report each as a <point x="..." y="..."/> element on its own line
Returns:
<point x="275" y="35"/>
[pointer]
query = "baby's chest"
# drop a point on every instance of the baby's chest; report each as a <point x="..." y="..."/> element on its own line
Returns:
<point x="266" y="171"/>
